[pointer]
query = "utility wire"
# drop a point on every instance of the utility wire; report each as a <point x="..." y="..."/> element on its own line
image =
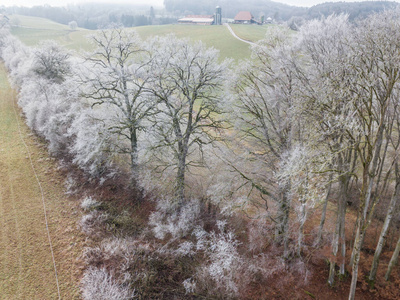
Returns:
<point x="42" y="195"/>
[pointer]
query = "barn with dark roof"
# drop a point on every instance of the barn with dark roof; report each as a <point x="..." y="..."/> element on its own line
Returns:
<point x="244" y="17"/>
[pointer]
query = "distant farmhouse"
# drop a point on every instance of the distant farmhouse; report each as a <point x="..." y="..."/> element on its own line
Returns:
<point x="197" y="20"/>
<point x="244" y="17"/>
<point x="215" y="19"/>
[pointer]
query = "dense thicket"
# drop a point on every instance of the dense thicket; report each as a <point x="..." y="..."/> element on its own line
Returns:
<point x="312" y="116"/>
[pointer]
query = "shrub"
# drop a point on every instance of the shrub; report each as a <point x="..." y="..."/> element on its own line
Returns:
<point x="91" y="222"/>
<point x="88" y="204"/>
<point x="224" y="268"/>
<point x="178" y="224"/>
<point x="98" y="284"/>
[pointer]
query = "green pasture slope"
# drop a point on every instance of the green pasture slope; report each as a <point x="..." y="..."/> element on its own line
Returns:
<point x="218" y="37"/>
<point x="252" y="33"/>
<point x="32" y="30"/>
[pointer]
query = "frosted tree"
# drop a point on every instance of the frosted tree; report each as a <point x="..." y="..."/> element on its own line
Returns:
<point x="116" y="78"/>
<point x="392" y="135"/>
<point x="262" y="107"/>
<point x="17" y="58"/>
<point x="326" y="45"/>
<point x="92" y="146"/>
<point x="376" y="61"/>
<point x="50" y="61"/>
<point x="187" y="84"/>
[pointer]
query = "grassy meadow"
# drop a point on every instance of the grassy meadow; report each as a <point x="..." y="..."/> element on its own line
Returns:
<point x="252" y="33"/>
<point x="218" y="37"/>
<point x="32" y="30"/>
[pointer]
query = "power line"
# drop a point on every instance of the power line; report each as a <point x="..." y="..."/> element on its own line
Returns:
<point x="42" y="195"/>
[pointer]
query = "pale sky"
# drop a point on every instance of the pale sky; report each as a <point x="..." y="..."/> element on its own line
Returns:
<point x="306" y="3"/>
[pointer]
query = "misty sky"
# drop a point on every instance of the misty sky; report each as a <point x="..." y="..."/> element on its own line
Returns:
<point x="150" y="2"/>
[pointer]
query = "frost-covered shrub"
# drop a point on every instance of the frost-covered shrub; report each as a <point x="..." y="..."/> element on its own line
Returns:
<point x="91" y="222"/>
<point x="113" y="248"/>
<point x="88" y="203"/>
<point x="186" y="248"/>
<point x="70" y="185"/>
<point x="223" y="272"/>
<point x="98" y="284"/>
<point x="166" y="220"/>
<point x="47" y="107"/>
<point x="51" y="61"/>
<point x="153" y="270"/>
<point x="91" y="146"/>
<point x="3" y="37"/>
<point x="189" y="285"/>
<point x="259" y="234"/>
<point x="17" y="59"/>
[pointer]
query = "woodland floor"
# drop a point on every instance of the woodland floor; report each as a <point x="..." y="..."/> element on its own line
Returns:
<point x="26" y="265"/>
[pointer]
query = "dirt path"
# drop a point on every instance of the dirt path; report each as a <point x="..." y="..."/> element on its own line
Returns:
<point x="235" y="36"/>
<point x="27" y="267"/>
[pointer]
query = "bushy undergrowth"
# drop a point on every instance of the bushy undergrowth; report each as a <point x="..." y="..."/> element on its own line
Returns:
<point x="98" y="284"/>
<point x="168" y="221"/>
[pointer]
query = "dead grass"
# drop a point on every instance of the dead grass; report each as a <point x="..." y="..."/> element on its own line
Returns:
<point x="26" y="267"/>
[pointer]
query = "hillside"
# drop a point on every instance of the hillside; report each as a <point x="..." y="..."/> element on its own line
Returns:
<point x="32" y="30"/>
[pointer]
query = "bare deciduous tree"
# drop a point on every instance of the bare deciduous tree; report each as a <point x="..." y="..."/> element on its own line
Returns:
<point x="187" y="85"/>
<point x="116" y="78"/>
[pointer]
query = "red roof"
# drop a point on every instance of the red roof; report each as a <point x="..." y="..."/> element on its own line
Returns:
<point x="244" y="16"/>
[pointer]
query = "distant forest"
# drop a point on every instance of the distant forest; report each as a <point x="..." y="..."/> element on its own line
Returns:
<point x="95" y="15"/>
<point x="98" y="15"/>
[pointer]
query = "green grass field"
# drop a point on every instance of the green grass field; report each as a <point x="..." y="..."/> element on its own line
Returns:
<point x="213" y="36"/>
<point x="32" y="30"/>
<point x="252" y="33"/>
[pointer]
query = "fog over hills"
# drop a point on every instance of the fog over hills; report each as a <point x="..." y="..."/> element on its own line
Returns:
<point x="92" y="15"/>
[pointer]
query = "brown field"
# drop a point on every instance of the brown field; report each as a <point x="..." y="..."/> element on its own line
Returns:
<point x="26" y="265"/>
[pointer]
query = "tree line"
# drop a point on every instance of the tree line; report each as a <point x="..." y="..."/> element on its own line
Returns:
<point x="311" y="116"/>
<point x="97" y="15"/>
<point x="101" y="15"/>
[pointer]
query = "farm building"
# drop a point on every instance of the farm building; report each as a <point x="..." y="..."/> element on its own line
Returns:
<point x="244" y="17"/>
<point x="197" y="20"/>
<point x="215" y="19"/>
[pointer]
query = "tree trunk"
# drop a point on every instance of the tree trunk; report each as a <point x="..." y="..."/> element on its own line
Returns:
<point x="323" y="215"/>
<point x="382" y="237"/>
<point x="339" y="236"/>
<point x="393" y="260"/>
<point x="356" y="251"/>
<point x="342" y="232"/>
<point x="335" y="245"/>
<point x="281" y="228"/>
<point x="344" y="187"/>
<point x="180" y="180"/>
<point x="360" y="230"/>
<point x="303" y="215"/>
<point x="134" y="154"/>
